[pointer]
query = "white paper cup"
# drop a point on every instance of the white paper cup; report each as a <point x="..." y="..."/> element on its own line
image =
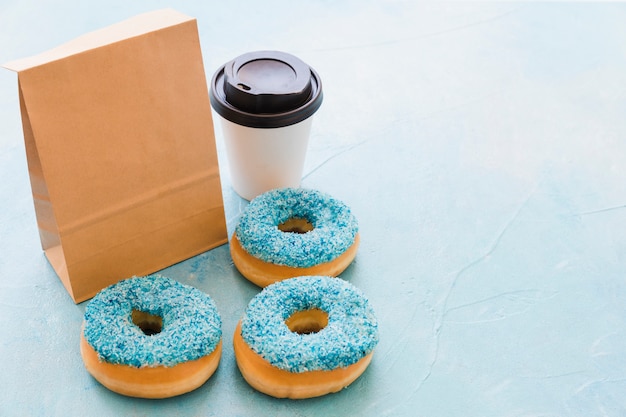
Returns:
<point x="265" y="101"/>
<point x="264" y="159"/>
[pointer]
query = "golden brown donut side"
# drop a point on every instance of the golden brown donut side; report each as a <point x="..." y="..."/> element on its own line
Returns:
<point x="263" y="273"/>
<point x="264" y="377"/>
<point x="150" y="382"/>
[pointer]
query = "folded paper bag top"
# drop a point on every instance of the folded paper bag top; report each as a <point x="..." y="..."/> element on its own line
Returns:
<point x="121" y="151"/>
<point x="136" y="26"/>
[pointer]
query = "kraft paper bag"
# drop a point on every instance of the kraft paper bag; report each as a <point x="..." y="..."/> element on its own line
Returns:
<point x="121" y="151"/>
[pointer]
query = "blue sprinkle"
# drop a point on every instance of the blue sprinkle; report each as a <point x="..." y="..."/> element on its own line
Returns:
<point x="191" y="329"/>
<point x="334" y="227"/>
<point x="351" y="332"/>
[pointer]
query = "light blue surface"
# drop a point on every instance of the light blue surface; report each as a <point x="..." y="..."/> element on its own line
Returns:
<point x="481" y="147"/>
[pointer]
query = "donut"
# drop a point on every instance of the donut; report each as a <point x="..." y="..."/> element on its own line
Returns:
<point x="290" y="232"/>
<point x="305" y="337"/>
<point x="151" y="337"/>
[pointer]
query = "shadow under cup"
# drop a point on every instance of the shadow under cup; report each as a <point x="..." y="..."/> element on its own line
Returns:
<point x="265" y="101"/>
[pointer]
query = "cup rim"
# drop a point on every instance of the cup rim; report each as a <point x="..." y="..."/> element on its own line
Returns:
<point x="220" y="104"/>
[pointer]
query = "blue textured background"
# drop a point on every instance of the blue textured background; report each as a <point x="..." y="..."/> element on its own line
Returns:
<point x="480" y="145"/>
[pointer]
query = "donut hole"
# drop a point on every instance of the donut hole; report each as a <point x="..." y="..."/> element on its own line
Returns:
<point x="307" y="321"/>
<point x="296" y="225"/>
<point x="150" y="324"/>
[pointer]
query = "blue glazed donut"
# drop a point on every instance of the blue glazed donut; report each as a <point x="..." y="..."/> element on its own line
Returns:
<point x="151" y="326"/>
<point x="305" y="328"/>
<point x="291" y="232"/>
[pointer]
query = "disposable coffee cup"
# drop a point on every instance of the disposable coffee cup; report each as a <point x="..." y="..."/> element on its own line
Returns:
<point x="265" y="101"/>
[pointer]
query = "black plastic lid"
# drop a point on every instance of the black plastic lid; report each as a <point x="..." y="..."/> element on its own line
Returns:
<point x="266" y="89"/>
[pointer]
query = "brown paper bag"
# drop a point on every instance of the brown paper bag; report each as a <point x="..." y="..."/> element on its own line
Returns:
<point x="121" y="151"/>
